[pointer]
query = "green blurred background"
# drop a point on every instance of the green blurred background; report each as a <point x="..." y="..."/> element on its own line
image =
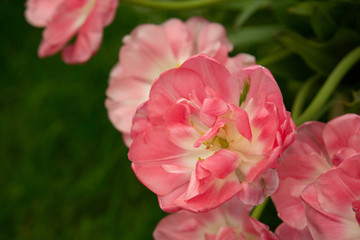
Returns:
<point x="64" y="172"/>
<point x="64" y="169"/>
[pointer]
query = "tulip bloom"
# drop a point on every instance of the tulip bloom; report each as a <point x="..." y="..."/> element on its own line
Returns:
<point x="231" y="221"/>
<point x="285" y="232"/>
<point x="206" y="135"/>
<point x="332" y="202"/>
<point x="152" y="49"/>
<point x="65" y="19"/>
<point x="318" y="148"/>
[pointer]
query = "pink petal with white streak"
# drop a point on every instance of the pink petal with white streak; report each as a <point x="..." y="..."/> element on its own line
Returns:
<point x="301" y="163"/>
<point x="329" y="202"/>
<point x="342" y="137"/>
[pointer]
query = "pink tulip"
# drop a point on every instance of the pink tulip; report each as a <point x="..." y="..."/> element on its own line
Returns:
<point x="285" y="232"/>
<point x="152" y="49"/>
<point x="332" y="202"/>
<point x="230" y="221"/>
<point x="206" y="135"/>
<point x="65" y="19"/>
<point x="318" y="147"/>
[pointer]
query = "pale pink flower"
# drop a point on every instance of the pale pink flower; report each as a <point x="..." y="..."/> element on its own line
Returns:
<point x="206" y="135"/>
<point x="65" y="19"/>
<point x="231" y="221"/>
<point x="332" y="202"/>
<point x="317" y="148"/>
<point x="285" y="232"/>
<point x="152" y="49"/>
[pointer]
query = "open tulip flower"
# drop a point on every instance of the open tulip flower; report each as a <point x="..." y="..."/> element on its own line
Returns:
<point x="205" y="135"/>
<point x="152" y="49"/>
<point x="332" y="202"/>
<point x="231" y="221"/>
<point x="65" y="19"/>
<point x="318" y="148"/>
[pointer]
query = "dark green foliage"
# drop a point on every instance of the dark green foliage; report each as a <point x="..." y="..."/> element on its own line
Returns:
<point x="64" y="172"/>
<point x="244" y="93"/>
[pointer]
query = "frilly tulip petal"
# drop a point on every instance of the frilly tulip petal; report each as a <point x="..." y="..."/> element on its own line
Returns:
<point x="329" y="202"/>
<point x="180" y="40"/>
<point x="318" y="148"/>
<point x="226" y="233"/>
<point x="289" y="204"/>
<point x="242" y="60"/>
<point x="214" y="107"/>
<point x="213" y="76"/>
<point x="64" y="20"/>
<point x="242" y="122"/>
<point x="181" y="85"/>
<point x="151" y="176"/>
<point x="214" y="162"/>
<point x="285" y="232"/>
<point x="229" y="162"/>
<point x="126" y="106"/>
<point x="39" y="12"/>
<point x="230" y="221"/>
<point x="342" y="133"/>
<point x="158" y="48"/>
<point x="255" y="192"/>
<point x="167" y="202"/>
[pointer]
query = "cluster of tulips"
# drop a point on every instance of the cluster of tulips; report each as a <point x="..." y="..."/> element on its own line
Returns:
<point x="209" y="134"/>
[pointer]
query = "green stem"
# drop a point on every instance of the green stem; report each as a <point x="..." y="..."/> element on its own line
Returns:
<point x="301" y="96"/>
<point x="329" y="86"/>
<point x="173" y="5"/>
<point x="278" y="56"/>
<point x="257" y="211"/>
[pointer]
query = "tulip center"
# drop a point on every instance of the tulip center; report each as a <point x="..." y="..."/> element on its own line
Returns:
<point x="225" y="135"/>
<point x="216" y="142"/>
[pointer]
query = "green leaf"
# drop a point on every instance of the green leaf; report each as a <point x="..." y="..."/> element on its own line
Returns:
<point x="249" y="9"/>
<point x="295" y="22"/>
<point x="321" y="56"/>
<point x="244" y="92"/>
<point x="254" y="34"/>
<point x="310" y="51"/>
<point x="303" y="8"/>
<point x="345" y="102"/>
<point x="322" y="23"/>
<point x="325" y="16"/>
<point x="355" y="99"/>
